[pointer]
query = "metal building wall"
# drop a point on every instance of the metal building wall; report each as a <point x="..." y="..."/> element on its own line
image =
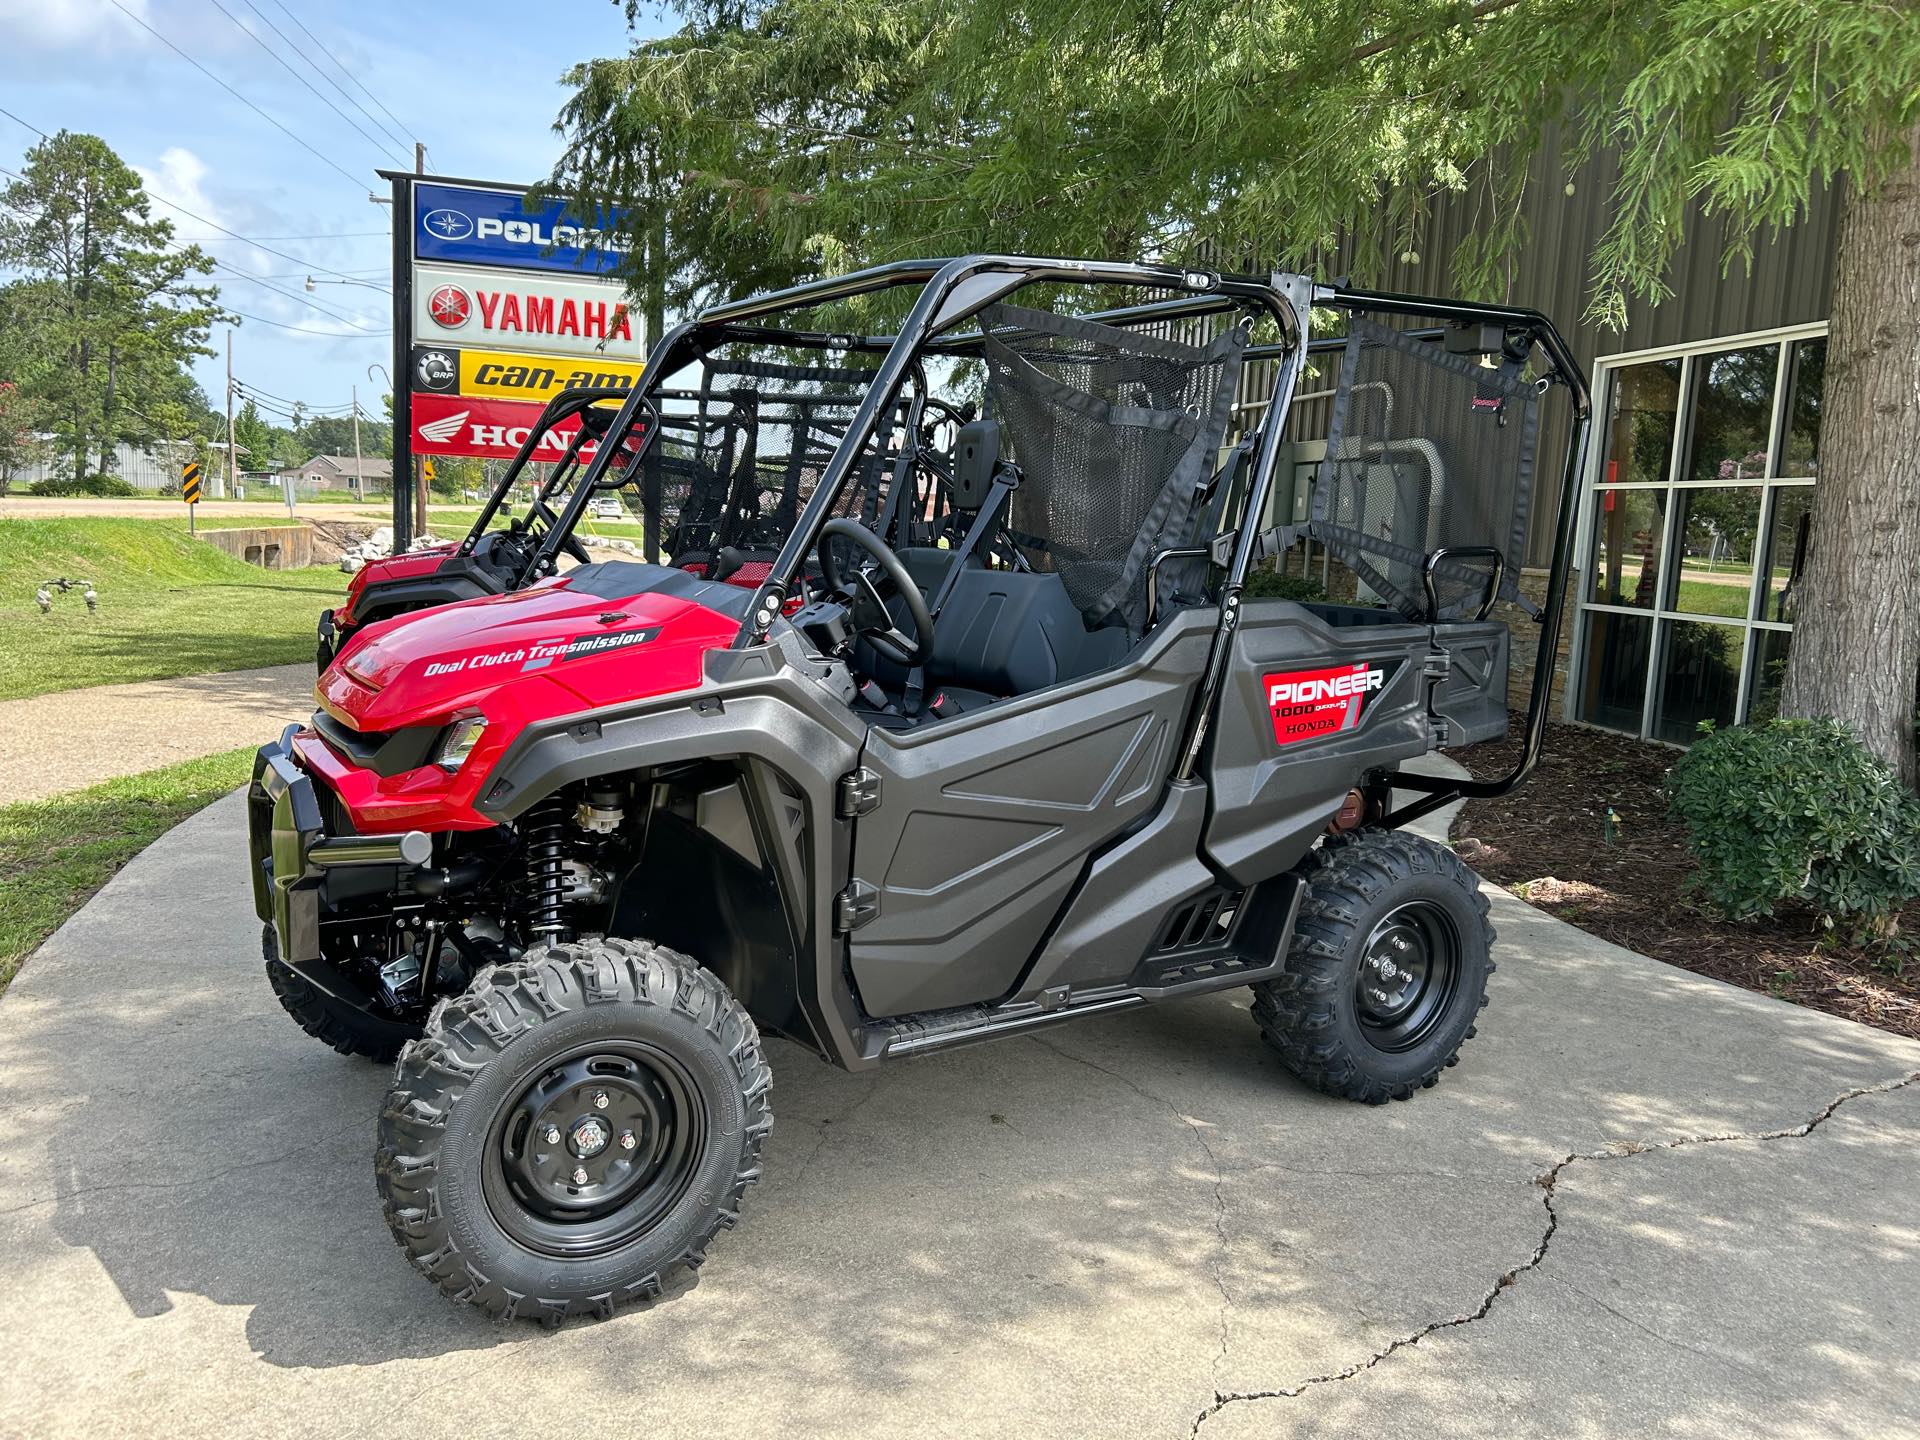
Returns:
<point x="1790" y="283"/>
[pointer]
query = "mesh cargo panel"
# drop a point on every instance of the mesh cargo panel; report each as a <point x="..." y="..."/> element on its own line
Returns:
<point x="1426" y="451"/>
<point x="738" y="468"/>
<point x="1113" y="432"/>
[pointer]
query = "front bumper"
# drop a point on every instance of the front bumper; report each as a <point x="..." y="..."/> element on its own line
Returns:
<point x="290" y="854"/>
<point x="283" y="824"/>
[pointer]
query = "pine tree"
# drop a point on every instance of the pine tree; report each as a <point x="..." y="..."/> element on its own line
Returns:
<point x="106" y="296"/>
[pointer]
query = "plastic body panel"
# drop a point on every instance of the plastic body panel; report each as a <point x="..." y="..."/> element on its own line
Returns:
<point x="986" y="821"/>
<point x="1473" y="697"/>
<point x="1126" y="895"/>
<point x="1272" y="797"/>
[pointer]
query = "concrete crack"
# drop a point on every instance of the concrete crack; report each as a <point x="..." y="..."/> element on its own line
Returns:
<point x="1545" y="1182"/>
<point x="826" y="1132"/>
<point x="1194" y="1127"/>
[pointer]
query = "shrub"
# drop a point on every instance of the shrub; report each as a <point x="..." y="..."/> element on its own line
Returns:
<point x="1797" y="809"/>
<point x="99" y="487"/>
<point x="1265" y="584"/>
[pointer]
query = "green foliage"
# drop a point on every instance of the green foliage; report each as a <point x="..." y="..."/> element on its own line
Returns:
<point x="169" y="604"/>
<point x="99" y="487"/>
<point x="55" y="853"/>
<point x="104" y="314"/>
<point x="1797" y="810"/>
<point x="1266" y="583"/>
<point x="794" y="135"/>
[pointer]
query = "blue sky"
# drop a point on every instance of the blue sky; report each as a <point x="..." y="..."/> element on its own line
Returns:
<point x="477" y="83"/>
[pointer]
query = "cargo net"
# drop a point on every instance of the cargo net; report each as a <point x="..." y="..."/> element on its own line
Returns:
<point x="1115" y="434"/>
<point x="736" y="460"/>
<point x="1427" y="451"/>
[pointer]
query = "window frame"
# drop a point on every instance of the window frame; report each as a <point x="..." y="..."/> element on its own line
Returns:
<point x="1771" y="483"/>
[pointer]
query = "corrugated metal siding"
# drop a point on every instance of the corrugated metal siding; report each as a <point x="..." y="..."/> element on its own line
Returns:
<point x="1790" y="283"/>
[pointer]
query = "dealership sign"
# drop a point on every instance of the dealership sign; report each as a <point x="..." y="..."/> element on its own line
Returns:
<point x="522" y="310"/>
<point x="514" y="375"/>
<point x="496" y="429"/>
<point x="494" y="227"/>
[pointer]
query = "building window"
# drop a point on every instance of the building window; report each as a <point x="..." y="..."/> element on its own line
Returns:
<point x="1694" y="531"/>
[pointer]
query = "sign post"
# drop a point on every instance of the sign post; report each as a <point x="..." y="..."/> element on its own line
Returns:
<point x="190" y="491"/>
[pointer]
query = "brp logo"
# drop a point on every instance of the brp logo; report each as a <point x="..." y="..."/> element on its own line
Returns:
<point x="447" y="224"/>
<point x="435" y="371"/>
<point x="449" y="306"/>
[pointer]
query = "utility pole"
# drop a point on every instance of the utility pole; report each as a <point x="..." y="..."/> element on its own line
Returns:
<point x="359" y="481"/>
<point x="419" y="477"/>
<point x="222" y="490"/>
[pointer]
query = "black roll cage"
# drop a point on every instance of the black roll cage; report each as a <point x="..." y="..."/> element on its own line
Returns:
<point x="955" y="290"/>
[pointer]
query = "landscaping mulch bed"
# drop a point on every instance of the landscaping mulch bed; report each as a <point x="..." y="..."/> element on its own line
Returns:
<point x="1627" y="881"/>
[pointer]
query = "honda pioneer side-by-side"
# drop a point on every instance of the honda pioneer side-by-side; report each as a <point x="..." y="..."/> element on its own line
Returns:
<point x="995" y="741"/>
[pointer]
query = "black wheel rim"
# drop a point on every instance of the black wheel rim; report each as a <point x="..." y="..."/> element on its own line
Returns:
<point x="1408" y="976"/>
<point x="593" y="1151"/>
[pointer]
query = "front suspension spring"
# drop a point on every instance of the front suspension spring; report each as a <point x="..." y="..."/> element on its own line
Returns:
<point x="544" y="830"/>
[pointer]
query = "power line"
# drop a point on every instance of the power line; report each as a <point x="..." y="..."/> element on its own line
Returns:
<point x="256" y="239"/>
<point x="278" y="60"/>
<point x="359" y="322"/>
<point x="314" y="65"/>
<point x="235" y="234"/>
<point x="404" y="128"/>
<point x="357" y="181"/>
<point x="18" y="121"/>
<point x="304" y="330"/>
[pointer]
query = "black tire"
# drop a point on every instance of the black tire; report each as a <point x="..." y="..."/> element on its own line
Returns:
<point x="1372" y="898"/>
<point x="488" y="1217"/>
<point x="339" y="1026"/>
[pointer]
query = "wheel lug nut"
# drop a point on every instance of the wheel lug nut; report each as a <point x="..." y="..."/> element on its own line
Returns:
<point x="599" y="1099"/>
<point x="579" y="1174"/>
<point x="551" y="1135"/>
<point x="627" y="1142"/>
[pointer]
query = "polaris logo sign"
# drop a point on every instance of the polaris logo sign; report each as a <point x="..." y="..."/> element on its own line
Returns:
<point x="495" y="227"/>
<point x="1306" y="704"/>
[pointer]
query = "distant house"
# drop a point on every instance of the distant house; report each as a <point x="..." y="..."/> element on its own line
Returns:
<point x="336" y="472"/>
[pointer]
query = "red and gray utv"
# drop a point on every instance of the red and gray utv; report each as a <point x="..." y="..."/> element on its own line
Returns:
<point x="566" y="853"/>
<point x="713" y="477"/>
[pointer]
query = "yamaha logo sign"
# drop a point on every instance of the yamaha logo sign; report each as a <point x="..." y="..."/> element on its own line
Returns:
<point x="449" y="306"/>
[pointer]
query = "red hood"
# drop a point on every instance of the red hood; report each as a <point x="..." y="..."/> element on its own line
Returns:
<point x="521" y="656"/>
<point x="407" y="566"/>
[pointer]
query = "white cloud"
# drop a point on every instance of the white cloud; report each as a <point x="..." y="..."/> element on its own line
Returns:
<point x="61" y="25"/>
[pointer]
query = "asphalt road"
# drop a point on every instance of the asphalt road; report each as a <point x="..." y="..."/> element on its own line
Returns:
<point x="1138" y="1226"/>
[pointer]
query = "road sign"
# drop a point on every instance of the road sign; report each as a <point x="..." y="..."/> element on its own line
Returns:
<point x="190" y="482"/>
<point x="426" y="470"/>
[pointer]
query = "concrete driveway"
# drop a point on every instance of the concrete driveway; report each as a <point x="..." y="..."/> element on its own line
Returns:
<point x="1137" y="1227"/>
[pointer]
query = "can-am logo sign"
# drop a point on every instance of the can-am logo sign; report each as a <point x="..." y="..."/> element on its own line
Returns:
<point x="511" y="310"/>
<point x="1306" y="704"/>
<point x="494" y="227"/>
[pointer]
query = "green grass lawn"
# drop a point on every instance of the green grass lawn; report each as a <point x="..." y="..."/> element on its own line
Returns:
<point x="169" y="605"/>
<point x="56" y="853"/>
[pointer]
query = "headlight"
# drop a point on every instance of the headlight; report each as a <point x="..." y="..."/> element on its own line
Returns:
<point x="459" y="741"/>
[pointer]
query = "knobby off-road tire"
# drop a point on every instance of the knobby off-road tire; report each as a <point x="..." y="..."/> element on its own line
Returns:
<point x="340" y="1026"/>
<point x="650" y="1075"/>
<point x="1376" y="900"/>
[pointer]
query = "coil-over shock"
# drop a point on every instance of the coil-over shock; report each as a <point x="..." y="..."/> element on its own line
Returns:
<point x="544" y="833"/>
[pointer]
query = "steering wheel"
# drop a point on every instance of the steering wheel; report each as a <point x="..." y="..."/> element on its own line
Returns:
<point x="572" y="543"/>
<point x="868" y="595"/>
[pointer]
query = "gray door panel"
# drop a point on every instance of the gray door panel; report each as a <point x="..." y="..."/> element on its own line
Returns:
<point x="986" y="821"/>
<point x="1306" y="709"/>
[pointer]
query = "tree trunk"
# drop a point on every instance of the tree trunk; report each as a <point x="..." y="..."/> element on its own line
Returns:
<point x="1856" y="644"/>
